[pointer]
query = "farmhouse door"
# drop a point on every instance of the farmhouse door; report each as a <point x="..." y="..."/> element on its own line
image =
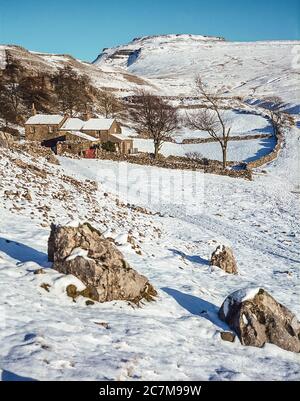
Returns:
<point x="90" y="153"/>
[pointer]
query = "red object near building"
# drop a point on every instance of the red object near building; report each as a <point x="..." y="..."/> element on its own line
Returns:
<point x="90" y="154"/>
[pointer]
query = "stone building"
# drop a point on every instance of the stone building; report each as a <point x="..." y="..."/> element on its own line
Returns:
<point x="75" y="135"/>
<point x="101" y="127"/>
<point x="44" y="127"/>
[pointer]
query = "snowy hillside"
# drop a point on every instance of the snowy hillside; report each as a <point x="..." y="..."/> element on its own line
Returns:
<point x="44" y="335"/>
<point x="242" y="69"/>
<point x="44" y="63"/>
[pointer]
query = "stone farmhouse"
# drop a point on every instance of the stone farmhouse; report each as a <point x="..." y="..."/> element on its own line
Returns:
<point x="73" y="135"/>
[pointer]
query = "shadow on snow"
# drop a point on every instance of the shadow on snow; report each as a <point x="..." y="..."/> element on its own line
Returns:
<point x="197" y="306"/>
<point x="267" y="146"/>
<point x="190" y="258"/>
<point x="22" y="253"/>
<point x="7" y="376"/>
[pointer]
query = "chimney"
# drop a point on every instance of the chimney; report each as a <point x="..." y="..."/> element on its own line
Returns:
<point x="87" y="115"/>
<point x="33" y="109"/>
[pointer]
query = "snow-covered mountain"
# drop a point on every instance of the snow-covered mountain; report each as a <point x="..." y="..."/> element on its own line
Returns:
<point x="125" y="56"/>
<point x="241" y="68"/>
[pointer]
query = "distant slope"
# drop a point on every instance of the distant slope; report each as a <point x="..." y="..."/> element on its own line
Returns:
<point x="47" y="64"/>
<point x="244" y="69"/>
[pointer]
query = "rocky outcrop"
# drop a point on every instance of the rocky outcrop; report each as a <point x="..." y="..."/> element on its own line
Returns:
<point x="6" y="139"/>
<point x="36" y="150"/>
<point x="96" y="261"/>
<point x="224" y="259"/>
<point x="258" y="318"/>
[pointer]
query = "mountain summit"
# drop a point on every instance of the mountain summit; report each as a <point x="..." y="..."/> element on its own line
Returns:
<point x="125" y="55"/>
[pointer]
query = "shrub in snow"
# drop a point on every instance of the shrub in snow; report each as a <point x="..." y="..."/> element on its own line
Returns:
<point x="258" y="318"/>
<point x="109" y="146"/>
<point x="195" y="156"/>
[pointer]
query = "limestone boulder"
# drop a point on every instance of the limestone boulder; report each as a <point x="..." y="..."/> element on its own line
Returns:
<point x="85" y="253"/>
<point x="257" y="318"/>
<point x="223" y="258"/>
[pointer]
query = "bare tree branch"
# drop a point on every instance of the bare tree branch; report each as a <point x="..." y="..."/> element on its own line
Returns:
<point x="210" y="118"/>
<point x="154" y="116"/>
<point x="109" y="105"/>
<point x="273" y="105"/>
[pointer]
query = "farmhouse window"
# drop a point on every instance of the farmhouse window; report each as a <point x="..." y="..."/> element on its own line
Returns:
<point x="32" y="130"/>
<point x="50" y="129"/>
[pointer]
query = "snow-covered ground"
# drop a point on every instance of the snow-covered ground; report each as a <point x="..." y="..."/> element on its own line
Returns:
<point x="242" y="124"/>
<point x="47" y="336"/>
<point x="246" y="150"/>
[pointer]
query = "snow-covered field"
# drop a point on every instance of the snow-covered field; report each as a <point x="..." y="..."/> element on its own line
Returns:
<point x="242" y="124"/>
<point x="246" y="151"/>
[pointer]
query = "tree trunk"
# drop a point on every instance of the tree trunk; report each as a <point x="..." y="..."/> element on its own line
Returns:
<point x="224" y="153"/>
<point x="275" y="127"/>
<point x="156" y="150"/>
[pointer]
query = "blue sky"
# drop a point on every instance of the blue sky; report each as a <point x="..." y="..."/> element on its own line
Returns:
<point x="83" y="28"/>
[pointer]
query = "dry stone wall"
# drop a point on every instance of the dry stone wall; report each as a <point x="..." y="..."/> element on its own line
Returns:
<point x="271" y="156"/>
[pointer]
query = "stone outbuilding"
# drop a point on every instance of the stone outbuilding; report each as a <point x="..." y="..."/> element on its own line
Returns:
<point x="101" y="127"/>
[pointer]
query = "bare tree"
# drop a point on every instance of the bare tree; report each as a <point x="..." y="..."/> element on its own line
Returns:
<point x="72" y="90"/>
<point x="109" y="105"/>
<point x="10" y="91"/>
<point x="274" y="105"/>
<point x="34" y="91"/>
<point x="154" y="116"/>
<point x="10" y="101"/>
<point x="211" y="118"/>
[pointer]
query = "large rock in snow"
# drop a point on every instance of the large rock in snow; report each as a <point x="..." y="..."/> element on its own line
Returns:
<point x="87" y="254"/>
<point x="258" y="318"/>
<point x="224" y="259"/>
